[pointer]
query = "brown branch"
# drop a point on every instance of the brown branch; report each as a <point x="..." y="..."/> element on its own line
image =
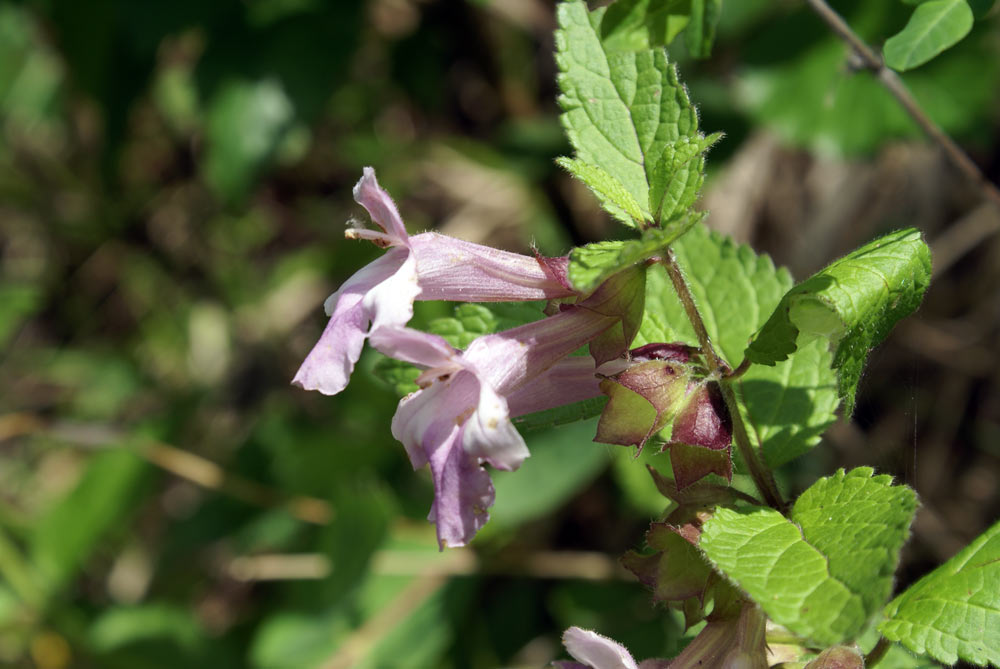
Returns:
<point x="185" y="464"/>
<point x="872" y="61"/>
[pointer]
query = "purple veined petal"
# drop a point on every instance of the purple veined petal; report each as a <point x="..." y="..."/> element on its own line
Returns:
<point x="490" y="435"/>
<point x="453" y="424"/>
<point x="328" y="366"/>
<point x="596" y="651"/>
<point x="414" y="422"/>
<point x="413" y="346"/>
<point x="507" y="360"/>
<point x="453" y="269"/>
<point x="463" y="491"/>
<point x="569" y="380"/>
<point x="380" y="207"/>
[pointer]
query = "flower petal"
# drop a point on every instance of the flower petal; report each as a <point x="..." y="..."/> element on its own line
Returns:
<point x="490" y="435"/>
<point x="462" y="492"/>
<point x="413" y="346"/>
<point x="453" y="269"/>
<point x="390" y="303"/>
<point x="597" y="651"/>
<point x="328" y="366"/>
<point x="416" y="422"/>
<point x="569" y="380"/>
<point x="507" y="360"/>
<point x="380" y="207"/>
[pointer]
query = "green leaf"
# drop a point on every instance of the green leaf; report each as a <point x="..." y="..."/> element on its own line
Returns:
<point x="359" y="527"/>
<point x="423" y="637"/>
<point x="933" y="27"/>
<point x="400" y="376"/>
<point x="788" y="406"/>
<point x="859" y="521"/>
<point x="823" y="572"/>
<point x="474" y="320"/>
<point x="245" y="123"/>
<point x="125" y="625"/>
<point x="701" y="32"/>
<point x="816" y="100"/>
<point x="591" y="265"/>
<point x="854" y="303"/>
<point x="562" y="415"/>
<point x="65" y="537"/>
<point x="613" y="196"/>
<point x="735" y="289"/>
<point x="563" y="460"/>
<point x="953" y="612"/>
<point x="17" y="303"/>
<point x="622" y="111"/>
<point x="635" y="25"/>
<point x="678" y="177"/>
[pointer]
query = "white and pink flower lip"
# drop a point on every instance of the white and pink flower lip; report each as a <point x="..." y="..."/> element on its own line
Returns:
<point x="427" y="266"/>
<point x="460" y="417"/>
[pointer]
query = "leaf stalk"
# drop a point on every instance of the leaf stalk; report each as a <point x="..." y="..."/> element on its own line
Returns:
<point x="759" y="472"/>
<point x="878" y="652"/>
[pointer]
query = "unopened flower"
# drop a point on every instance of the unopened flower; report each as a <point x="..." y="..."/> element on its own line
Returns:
<point x="427" y="266"/>
<point x="658" y="387"/>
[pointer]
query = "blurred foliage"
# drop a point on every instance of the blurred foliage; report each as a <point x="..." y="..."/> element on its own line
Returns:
<point x="174" y="178"/>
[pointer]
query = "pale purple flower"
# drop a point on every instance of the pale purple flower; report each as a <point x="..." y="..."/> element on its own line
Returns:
<point x="593" y="651"/>
<point x="427" y="266"/>
<point x="460" y="418"/>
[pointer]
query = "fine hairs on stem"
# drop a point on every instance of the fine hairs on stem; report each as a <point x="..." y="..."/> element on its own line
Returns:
<point x="761" y="474"/>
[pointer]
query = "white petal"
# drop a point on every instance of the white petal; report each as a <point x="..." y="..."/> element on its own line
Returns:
<point x="597" y="651"/>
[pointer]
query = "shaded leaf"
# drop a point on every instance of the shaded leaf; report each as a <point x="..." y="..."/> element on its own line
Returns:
<point x="67" y="534"/>
<point x="635" y="25"/>
<point x="701" y="32"/>
<point x="245" y="123"/>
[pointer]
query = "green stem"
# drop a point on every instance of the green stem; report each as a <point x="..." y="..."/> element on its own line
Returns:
<point x="878" y="652"/>
<point x="762" y="476"/>
<point x="739" y="371"/>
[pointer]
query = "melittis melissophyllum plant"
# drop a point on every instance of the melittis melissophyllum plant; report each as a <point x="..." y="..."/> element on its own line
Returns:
<point x="681" y="341"/>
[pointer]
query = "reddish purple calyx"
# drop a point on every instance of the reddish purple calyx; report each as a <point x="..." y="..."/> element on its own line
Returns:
<point x="556" y="268"/>
<point x="704" y="421"/>
<point x="674" y="351"/>
<point x="701" y="437"/>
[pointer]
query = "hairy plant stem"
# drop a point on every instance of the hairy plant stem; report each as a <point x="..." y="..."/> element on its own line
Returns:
<point x="871" y="60"/>
<point x="878" y="652"/>
<point x="760" y="473"/>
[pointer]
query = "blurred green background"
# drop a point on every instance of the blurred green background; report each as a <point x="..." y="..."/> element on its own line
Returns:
<point x="174" y="182"/>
